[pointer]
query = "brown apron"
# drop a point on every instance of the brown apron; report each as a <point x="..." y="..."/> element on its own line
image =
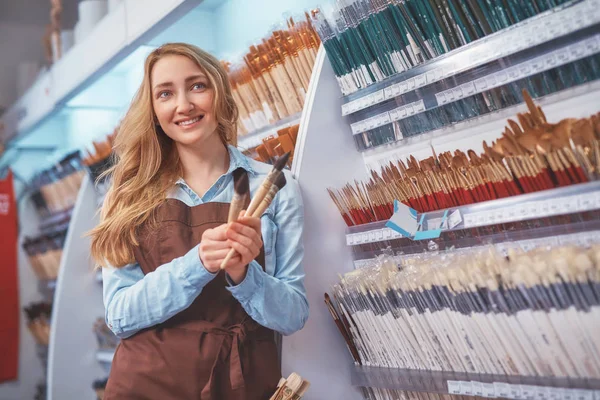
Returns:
<point x="210" y="351"/>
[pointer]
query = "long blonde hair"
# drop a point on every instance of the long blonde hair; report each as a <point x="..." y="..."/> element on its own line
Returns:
<point x="146" y="160"/>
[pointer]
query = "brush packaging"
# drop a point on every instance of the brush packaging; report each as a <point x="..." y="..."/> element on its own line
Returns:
<point x="414" y="109"/>
<point x="44" y="253"/>
<point x="527" y="318"/>
<point x="369" y="42"/>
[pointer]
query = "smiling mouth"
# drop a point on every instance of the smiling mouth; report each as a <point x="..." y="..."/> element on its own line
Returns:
<point x="188" y="122"/>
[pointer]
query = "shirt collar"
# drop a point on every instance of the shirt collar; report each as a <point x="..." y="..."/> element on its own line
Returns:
<point x="236" y="160"/>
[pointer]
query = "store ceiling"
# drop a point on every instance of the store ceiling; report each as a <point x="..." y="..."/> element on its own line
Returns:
<point x="36" y="12"/>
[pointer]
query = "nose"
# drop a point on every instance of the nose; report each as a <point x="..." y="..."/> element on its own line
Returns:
<point x="184" y="105"/>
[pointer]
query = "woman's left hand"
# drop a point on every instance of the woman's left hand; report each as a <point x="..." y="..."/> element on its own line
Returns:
<point x="246" y="238"/>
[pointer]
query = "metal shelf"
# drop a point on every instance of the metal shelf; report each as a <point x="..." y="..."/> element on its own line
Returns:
<point x="548" y="203"/>
<point x="255" y="138"/>
<point x="526" y="35"/>
<point x="105" y="356"/>
<point x="484" y="385"/>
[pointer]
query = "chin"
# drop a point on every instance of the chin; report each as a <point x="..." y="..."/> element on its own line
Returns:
<point x="191" y="138"/>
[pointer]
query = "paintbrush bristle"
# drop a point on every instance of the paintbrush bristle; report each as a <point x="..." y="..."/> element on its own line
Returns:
<point x="281" y="161"/>
<point x="241" y="183"/>
<point x="280" y="181"/>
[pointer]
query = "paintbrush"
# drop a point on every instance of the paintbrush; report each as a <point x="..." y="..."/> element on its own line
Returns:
<point x="257" y="203"/>
<point x="241" y="190"/>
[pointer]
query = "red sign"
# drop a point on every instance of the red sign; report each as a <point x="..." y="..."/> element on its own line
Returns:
<point x="9" y="282"/>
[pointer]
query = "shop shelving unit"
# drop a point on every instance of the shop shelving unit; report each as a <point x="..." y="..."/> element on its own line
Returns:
<point x="325" y="157"/>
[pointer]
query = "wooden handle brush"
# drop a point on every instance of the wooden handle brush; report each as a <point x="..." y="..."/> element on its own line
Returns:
<point x="257" y="204"/>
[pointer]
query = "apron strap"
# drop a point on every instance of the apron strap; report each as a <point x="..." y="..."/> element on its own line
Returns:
<point x="238" y="334"/>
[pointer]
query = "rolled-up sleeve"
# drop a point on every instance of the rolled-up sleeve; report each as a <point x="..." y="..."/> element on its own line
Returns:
<point x="279" y="302"/>
<point x="134" y="301"/>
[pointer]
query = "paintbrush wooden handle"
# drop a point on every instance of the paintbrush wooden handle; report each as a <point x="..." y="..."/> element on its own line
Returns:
<point x="260" y="194"/>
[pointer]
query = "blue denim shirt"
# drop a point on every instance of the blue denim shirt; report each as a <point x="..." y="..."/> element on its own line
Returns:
<point x="275" y="298"/>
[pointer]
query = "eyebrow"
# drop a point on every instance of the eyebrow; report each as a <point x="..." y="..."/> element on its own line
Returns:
<point x="188" y="79"/>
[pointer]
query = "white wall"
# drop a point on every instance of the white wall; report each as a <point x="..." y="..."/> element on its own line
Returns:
<point x="18" y="43"/>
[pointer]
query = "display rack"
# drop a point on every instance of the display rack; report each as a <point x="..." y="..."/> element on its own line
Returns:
<point x="548" y="203"/>
<point x="484" y="385"/>
<point x="255" y="138"/>
<point x="526" y="36"/>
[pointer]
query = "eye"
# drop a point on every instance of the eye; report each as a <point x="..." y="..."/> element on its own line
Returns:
<point x="198" y="86"/>
<point x="164" y="94"/>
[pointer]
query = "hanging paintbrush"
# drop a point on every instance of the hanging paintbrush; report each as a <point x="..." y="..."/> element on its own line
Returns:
<point x="264" y="195"/>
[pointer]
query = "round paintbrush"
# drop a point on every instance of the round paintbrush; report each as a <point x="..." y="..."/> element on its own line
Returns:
<point x="241" y="189"/>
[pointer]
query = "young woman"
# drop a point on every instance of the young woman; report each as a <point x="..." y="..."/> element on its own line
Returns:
<point x="189" y="329"/>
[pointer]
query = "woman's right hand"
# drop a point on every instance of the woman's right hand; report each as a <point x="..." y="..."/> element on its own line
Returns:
<point x="214" y="247"/>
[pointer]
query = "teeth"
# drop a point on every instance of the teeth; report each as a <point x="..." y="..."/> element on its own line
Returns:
<point x="189" y="121"/>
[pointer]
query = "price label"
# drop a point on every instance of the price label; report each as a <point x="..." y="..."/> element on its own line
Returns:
<point x="522" y="212"/>
<point x="384" y="119"/>
<point x="515" y="392"/>
<point x="396" y="90"/>
<point x="450" y="95"/>
<point x="431" y="77"/>
<point x="563" y="56"/>
<point x="419" y="106"/>
<point x="386" y="233"/>
<point x="469" y="220"/>
<point x="537" y="64"/>
<point x="585" y="202"/>
<point x="370" y="236"/>
<point x="378" y="96"/>
<point x="477" y="388"/>
<point x="411" y="84"/>
<point x="568" y="394"/>
<point x="555" y="394"/>
<point x="378" y="235"/>
<point x="458" y="93"/>
<point x="466" y="388"/>
<point x="502" y="389"/>
<point x="502" y="77"/>
<point x="345" y="109"/>
<point x="542" y="393"/>
<point x="387" y="93"/>
<point x="454" y="387"/>
<point x="525" y="69"/>
<point x="356" y="127"/>
<point x="349" y="240"/>
<point x="554" y="208"/>
<point x="395" y="114"/>
<point x="421" y="80"/>
<point x="581" y="394"/>
<point x="468" y="89"/>
<point x="410" y="109"/>
<point x="480" y="219"/>
<point x="481" y="85"/>
<point x="578" y="50"/>
<point x="441" y="98"/>
<point x="402" y="112"/>
<point x="551" y="61"/>
<point x="433" y="224"/>
<point x="592" y="45"/>
<point x="491" y="80"/>
<point x="439" y="74"/>
<point x="403" y="87"/>
<point x="528" y="392"/>
<point x="513" y="73"/>
<point x="489" y="390"/>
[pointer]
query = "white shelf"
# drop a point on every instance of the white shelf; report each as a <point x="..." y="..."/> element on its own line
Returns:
<point x="116" y="36"/>
<point x="547" y="203"/>
<point x="255" y="138"/>
<point x="522" y="36"/>
<point x="105" y="356"/>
